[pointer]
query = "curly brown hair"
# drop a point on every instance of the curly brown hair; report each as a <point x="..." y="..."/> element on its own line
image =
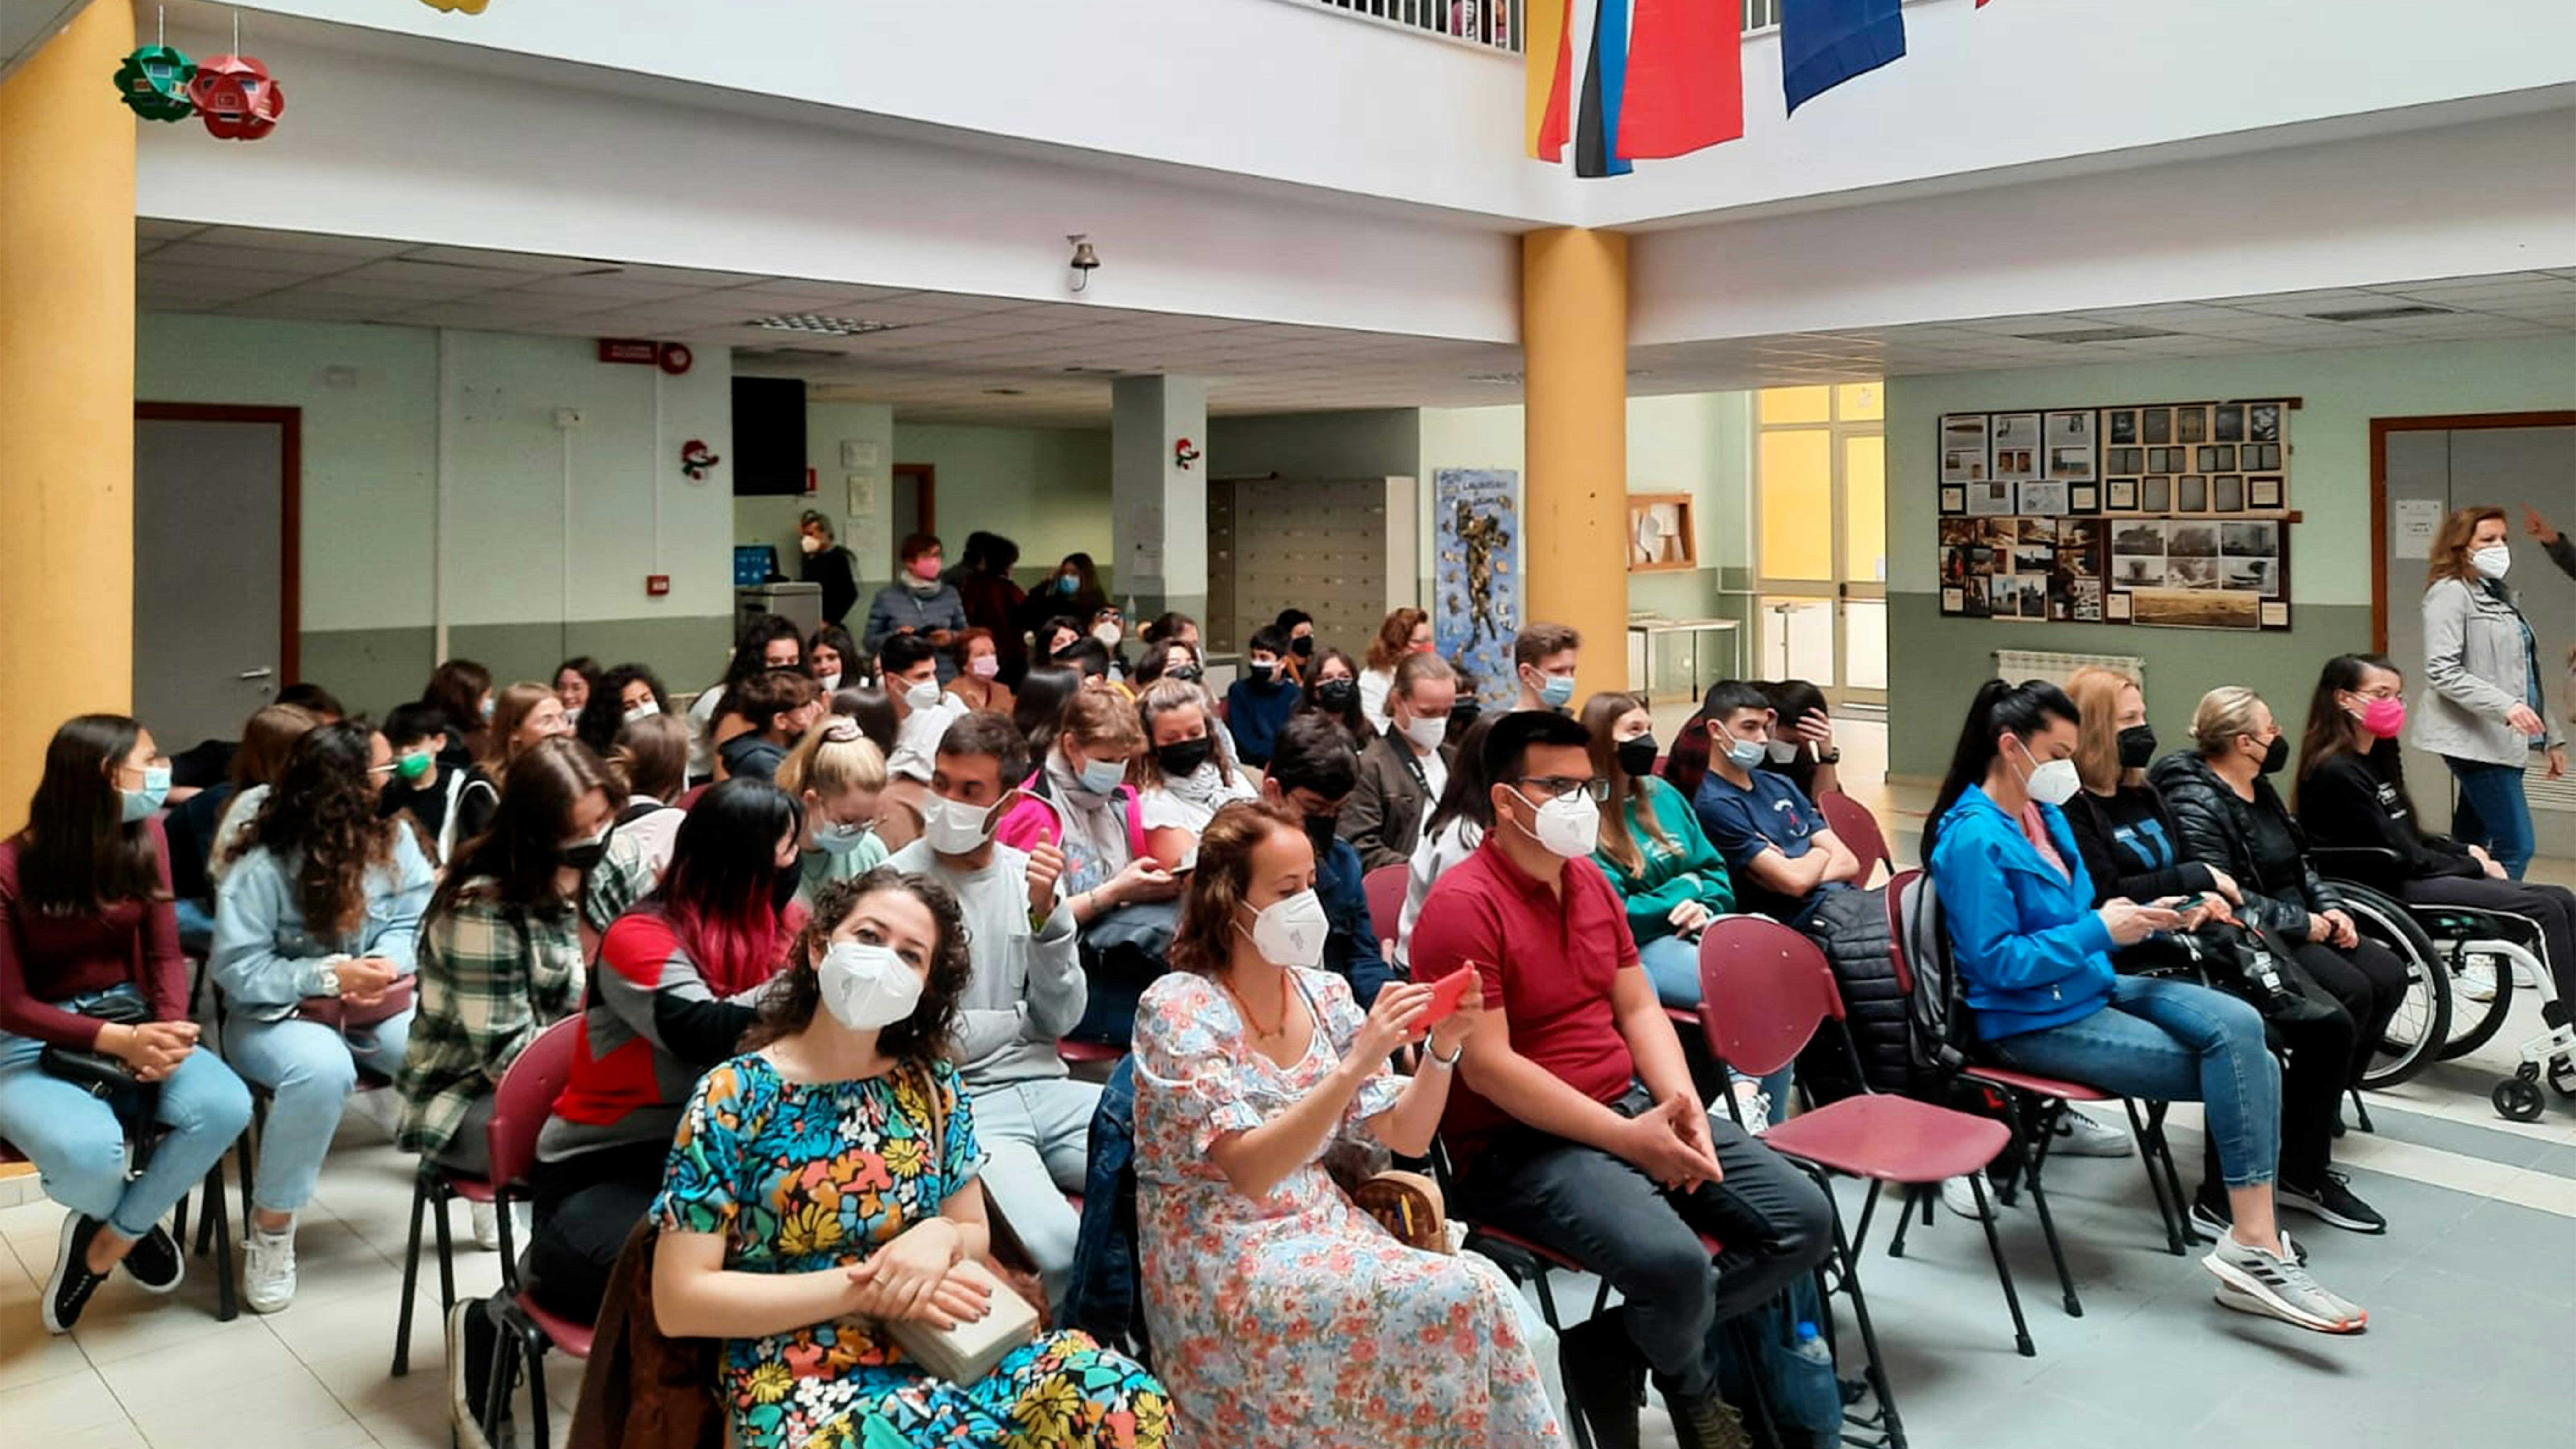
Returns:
<point x="321" y="819"/>
<point x="1204" y="940"/>
<point x="788" y="1006"/>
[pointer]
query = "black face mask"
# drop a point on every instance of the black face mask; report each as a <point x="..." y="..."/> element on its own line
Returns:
<point x="391" y="803"/>
<point x="782" y="891"/>
<point x="2275" y="755"/>
<point x="1182" y="758"/>
<point x="584" y="857"/>
<point x="2137" y="746"/>
<point x="1319" y="834"/>
<point x="1462" y="714"/>
<point x="1337" y="695"/>
<point x="1186" y="673"/>
<point x="1637" y="756"/>
<point x="1303" y="647"/>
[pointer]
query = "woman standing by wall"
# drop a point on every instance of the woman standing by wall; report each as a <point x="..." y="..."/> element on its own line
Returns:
<point x="2484" y="712"/>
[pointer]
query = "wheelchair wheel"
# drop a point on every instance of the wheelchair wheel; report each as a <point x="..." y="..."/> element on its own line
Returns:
<point x="2517" y="1100"/>
<point x="2422" y="1023"/>
<point x="2481" y="996"/>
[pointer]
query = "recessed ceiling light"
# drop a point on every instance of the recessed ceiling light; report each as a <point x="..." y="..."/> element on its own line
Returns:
<point x="2096" y="334"/>
<point x="823" y="326"/>
<point x="2380" y="314"/>
<point x="1005" y="392"/>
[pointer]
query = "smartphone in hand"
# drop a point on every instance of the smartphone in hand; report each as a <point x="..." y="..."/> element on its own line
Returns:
<point x="1446" y="993"/>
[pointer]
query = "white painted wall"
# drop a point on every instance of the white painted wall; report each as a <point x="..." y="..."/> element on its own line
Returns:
<point x="773" y="519"/>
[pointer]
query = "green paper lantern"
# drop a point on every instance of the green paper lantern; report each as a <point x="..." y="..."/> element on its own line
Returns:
<point x="153" y="83"/>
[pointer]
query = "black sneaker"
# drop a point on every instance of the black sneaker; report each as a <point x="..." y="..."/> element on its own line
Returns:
<point x="155" y="1263"/>
<point x="2333" y="1203"/>
<point x="473" y="1341"/>
<point x="68" y="1291"/>
<point x="1604" y="1379"/>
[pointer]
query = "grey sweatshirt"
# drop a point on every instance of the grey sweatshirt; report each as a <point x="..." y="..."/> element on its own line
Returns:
<point x="1028" y="988"/>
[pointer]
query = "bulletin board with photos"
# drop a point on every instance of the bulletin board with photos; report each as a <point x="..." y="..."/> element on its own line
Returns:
<point x="2167" y="514"/>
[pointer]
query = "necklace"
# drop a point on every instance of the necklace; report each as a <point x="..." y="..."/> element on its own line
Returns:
<point x="1260" y="1033"/>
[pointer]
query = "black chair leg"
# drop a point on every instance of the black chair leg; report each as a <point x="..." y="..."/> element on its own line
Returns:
<point x="2149" y="1128"/>
<point x="2034" y="1159"/>
<point x="1877" y="1370"/>
<point x="420" y="1193"/>
<point x="211" y="1223"/>
<point x="2173" y="1180"/>
<point x="2003" y="1271"/>
<point x="1904" y="1218"/>
<point x="446" y="1258"/>
<point x="2361" y="1113"/>
<point x="539" y="1411"/>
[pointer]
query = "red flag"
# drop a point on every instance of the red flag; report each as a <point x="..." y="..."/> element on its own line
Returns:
<point x="1685" y="85"/>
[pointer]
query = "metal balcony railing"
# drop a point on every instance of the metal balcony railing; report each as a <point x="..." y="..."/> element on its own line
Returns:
<point x="1494" y="25"/>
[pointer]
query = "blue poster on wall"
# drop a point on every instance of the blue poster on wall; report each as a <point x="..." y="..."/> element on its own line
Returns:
<point x="1476" y="604"/>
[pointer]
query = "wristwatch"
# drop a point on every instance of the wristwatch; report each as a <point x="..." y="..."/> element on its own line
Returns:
<point x="1437" y="1060"/>
<point x="1835" y="758"/>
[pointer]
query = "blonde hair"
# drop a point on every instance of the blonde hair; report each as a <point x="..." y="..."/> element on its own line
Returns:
<point x="2096" y="692"/>
<point x="1166" y="696"/>
<point x="509" y="711"/>
<point x="1100" y="721"/>
<point x="835" y="757"/>
<point x="2451" y="547"/>
<point x="2224" y="713"/>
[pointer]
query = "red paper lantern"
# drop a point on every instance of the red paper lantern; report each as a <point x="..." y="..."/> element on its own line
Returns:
<point x="238" y="98"/>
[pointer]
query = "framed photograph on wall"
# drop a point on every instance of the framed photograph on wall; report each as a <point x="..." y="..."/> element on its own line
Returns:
<point x="2227" y="494"/>
<point x="2228" y="423"/>
<point x="2155" y="425"/>
<point x="2262" y="492"/>
<point x="1661" y="533"/>
<point x="2263" y="423"/>
<point x="2083" y="498"/>
<point x="2070" y="430"/>
<point x="2155" y="495"/>
<point x="2122" y="425"/>
<point x="2123" y="496"/>
<point x="2126" y="460"/>
<point x="2191" y="425"/>
<point x="1954" y="499"/>
<point x="2069" y="463"/>
<point x="2191" y="494"/>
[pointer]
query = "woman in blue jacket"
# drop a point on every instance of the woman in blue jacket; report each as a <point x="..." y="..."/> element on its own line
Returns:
<point x="2034" y="957"/>
<point x="314" y="936"/>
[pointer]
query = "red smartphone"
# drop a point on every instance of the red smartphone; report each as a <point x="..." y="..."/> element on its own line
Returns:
<point x="1446" y="993"/>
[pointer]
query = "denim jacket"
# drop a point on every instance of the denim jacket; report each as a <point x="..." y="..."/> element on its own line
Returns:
<point x="1104" y="1296"/>
<point x="266" y="961"/>
<point x="2025" y="939"/>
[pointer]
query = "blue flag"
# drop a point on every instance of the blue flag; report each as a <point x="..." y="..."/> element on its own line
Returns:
<point x="1826" y="42"/>
<point x="1605" y="87"/>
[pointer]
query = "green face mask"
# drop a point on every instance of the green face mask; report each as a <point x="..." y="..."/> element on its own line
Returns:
<point x="409" y="768"/>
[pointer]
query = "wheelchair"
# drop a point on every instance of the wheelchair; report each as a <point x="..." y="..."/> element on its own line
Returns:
<point x="2463" y="966"/>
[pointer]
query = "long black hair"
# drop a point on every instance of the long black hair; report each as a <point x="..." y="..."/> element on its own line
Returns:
<point x="725" y="894"/>
<point x="751" y="648"/>
<point x="1999" y="709"/>
<point x="79" y="855"/>
<point x="605" y="710"/>
<point x="1469" y="795"/>
<point x="789" y="1005"/>
<point x="1038" y="709"/>
<point x="2330" y="730"/>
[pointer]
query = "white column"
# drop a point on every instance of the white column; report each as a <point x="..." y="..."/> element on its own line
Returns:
<point x="1159" y="528"/>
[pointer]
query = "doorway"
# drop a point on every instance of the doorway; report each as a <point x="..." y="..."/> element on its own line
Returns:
<point x="916" y="510"/>
<point x="2422" y="469"/>
<point x="217" y="503"/>
<point x="1820" y="539"/>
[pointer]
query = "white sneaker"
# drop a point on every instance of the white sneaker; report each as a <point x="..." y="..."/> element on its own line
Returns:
<point x="487" y="1225"/>
<point x="268" y="1269"/>
<point x="1755" y="1106"/>
<point x="2079" y="1135"/>
<point x="1960" y="1198"/>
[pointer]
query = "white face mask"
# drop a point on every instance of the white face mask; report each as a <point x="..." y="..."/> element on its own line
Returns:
<point x="1291" y="931"/>
<point x="924" y="695"/>
<point x="809" y="543"/>
<point x="1782" y="751"/>
<point x="1569" y="825"/>
<point x="955" y="828"/>
<point x="644" y="710"/>
<point x="2054" y="783"/>
<point x="867" y="987"/>
<point x="1107" y="634"/>
<point x="830" y="682"/>
<point x="1426" y="731"/>
<point x="2492" y="560"/>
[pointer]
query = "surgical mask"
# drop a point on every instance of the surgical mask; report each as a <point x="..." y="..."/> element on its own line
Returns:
<point x="1426" y="731"/>
<point x="1569" y="825"/>
<point x="1302" y="646"/>
<point x="1556" y="690"/>
<point x="984" y="666"/>
<point x="1337" y="695"/>
<point x="1781" y="752"/>
<point x="924" y="695"/>
<point x="136" y="804"/>
<point x="585" y="854"/>
<point x="1102" y="776"/>
<point x="487" y="707"/>
<point x="1182" y="758"/>
<point x="838" y="839"/>
<point x="412" y="766"/>
<point x="1108" y="634"/>
<point x="1291" y="931"/>
<point x="953" y="827"/>
<point x="809" y="543"/>
<point x="2054" y="783"/>
<point x="645" y="709"/>
<point x="867" y="987"/>
<point x="1637" y="756"/>
<point x="2137" y="746"/>
<point x="1745" y="754"/>
<point x="2384" y="717"/>
<point x="2492" y="561"/>
<point x="2275" y="755"/>
<point x="1067" y="583"/>
<point x="829" y="682"/>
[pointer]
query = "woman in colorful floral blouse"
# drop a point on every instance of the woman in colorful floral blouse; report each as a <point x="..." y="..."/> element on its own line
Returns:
<point x="824" y="1183"/>
<point x="1283" y="1317"/>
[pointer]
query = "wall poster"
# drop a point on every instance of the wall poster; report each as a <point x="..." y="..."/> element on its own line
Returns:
<point x="2153" y="514"/>
<point x="1476" y="604"/>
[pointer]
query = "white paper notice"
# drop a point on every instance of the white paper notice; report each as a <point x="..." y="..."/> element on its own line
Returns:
<point x="2418" y="521"/>
<point x="859" y="453"/>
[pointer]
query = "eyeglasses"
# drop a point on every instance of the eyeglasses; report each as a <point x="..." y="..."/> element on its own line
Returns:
<point x="1551" y="787"/>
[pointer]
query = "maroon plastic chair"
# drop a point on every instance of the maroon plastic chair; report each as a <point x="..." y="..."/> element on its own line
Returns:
<point x="432" y="1188"/>
<point x="1077" y="1053"/>
<point x="1765" y="991"/>
<point x="519" y="1108"/>
<point x="1851" y="822"/>
<point x="1385" y="888"/>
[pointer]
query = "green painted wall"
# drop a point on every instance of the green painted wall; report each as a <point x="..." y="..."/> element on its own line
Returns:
<point x="1935" y="664"/>
<point x="1046" y="489"/>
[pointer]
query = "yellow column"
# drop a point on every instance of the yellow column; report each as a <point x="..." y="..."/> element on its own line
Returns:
<point x="1574" y="338"/>
<point x="66" y="392"/>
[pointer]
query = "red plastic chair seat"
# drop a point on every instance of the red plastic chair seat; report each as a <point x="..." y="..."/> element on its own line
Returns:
<point x="566" y="1335"/>
<point x="1891" y="1139"/>
<point x="472" y="1189"/>
<point x="1089" y="1051"/>
<point x="2052" y="1088"/>
<point x="1385" y="889"/>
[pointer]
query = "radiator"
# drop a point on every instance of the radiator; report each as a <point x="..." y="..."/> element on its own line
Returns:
<point x="2017" y="665"/>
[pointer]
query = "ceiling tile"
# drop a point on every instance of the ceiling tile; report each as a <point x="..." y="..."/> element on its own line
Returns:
<point x="313" y="243"/>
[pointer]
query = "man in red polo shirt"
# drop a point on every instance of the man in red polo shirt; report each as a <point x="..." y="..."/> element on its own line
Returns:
<point x="1574" y="1122"/>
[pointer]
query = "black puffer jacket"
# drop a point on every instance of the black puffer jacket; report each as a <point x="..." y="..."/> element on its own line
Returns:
<point x="1851" y="927"/>
<point x="2218" y="827"/>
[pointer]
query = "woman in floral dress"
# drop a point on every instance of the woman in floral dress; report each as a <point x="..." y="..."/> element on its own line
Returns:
<point x="823" y="1184"/>
<point x="1281" y="1315"/>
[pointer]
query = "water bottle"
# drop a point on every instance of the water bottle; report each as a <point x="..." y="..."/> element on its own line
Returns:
<point x="1815" y="1398"/>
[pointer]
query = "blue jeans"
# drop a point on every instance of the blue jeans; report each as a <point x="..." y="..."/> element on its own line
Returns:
<point x="1672" y="963"/>
<point x="2173" y="1041"/>
<point x="78" y="1145"/>
<point x="2493" y="812"/>
<point x="311" y="1070"/>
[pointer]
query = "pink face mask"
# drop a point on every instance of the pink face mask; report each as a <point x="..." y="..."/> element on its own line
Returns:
<point x="983" y="666"/>
<point x="2385" y="718"/>
<point x="926" y="566"/>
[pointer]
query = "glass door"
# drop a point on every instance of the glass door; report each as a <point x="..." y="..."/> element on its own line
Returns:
<point x="1820" y="529"/>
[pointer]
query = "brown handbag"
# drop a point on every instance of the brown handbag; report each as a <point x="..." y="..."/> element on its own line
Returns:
<point x="340" y="1014"/>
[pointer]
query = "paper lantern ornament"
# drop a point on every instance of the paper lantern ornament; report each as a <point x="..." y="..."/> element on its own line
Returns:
<point x="153" y="83"/>
<point x="237" y="97"/>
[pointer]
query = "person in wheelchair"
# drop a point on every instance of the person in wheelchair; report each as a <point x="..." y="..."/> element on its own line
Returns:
<point x="2352" y="793"/>
<point x="2133" y="849"/>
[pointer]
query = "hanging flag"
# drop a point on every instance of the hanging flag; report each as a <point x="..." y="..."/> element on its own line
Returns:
<point x="1549" y="78"/>
<point x="1826" y="42"/>
<point x="1685" y="81"/>
<point x="1605" y="84"/>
